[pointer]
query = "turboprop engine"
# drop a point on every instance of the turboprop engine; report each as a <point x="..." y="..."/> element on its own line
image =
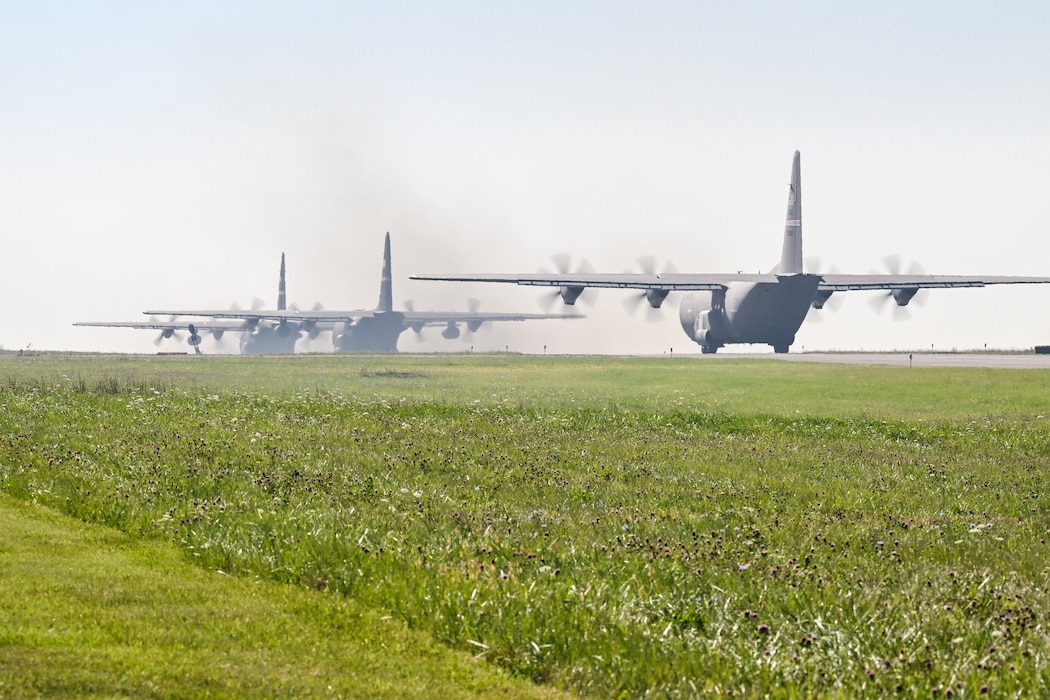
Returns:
<point x="450" y="332"/>
<point x="904" y="295"/>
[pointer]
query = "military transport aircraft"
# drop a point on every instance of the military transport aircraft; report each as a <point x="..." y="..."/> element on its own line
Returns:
<point x="723" y="309"/>
<point x="357" y="330"/>
<point x="255" y="338"/>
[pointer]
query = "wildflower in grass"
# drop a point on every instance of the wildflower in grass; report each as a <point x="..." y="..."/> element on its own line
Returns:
<point x="745" y="567"/>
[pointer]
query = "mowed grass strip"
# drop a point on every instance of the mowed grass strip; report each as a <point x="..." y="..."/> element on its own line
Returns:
<point x="765" y="386"/>
<point x="85" y="611"/>
<point x="623" y="528"/>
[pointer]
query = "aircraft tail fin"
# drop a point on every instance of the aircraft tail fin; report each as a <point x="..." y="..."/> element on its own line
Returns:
<point x="386" y="294"/>
<point x="282" y="296"/>
<point x="791" y="256"/>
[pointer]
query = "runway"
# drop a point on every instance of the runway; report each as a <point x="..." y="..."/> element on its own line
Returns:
<point x="933" y="359"/>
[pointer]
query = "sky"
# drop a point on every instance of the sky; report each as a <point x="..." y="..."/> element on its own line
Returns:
<point x="164" y="155"/>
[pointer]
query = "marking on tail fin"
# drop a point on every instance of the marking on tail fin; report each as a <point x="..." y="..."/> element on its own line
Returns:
<point x="791" y="254"/>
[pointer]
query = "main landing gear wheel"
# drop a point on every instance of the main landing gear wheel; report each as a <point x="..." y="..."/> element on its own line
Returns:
<point x="708" y="349"/>
<point x="780" y="349"/>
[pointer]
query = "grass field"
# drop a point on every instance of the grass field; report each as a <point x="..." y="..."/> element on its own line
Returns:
<point x="613" y="527"/>
<point x="86" y="611"/>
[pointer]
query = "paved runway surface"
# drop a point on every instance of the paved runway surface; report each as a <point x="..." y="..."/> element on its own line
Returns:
<point x="936" y="359"/>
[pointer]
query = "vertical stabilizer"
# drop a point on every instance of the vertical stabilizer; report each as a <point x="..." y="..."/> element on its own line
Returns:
<point x="386" y="294"/>
<point x="282" y="297"/>
<point x="791" y="256"/>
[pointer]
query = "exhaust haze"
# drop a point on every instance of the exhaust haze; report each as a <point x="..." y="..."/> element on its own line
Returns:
<point x="164" y="156"/>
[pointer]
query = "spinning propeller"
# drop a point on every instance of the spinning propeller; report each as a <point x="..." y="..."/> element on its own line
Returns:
<point x="823" y="299"/>
<point x="654" y="297"/>
<point x="416" y="326"/>
<point x="569" y="295"/>
<point x="166" y="333"/>
<point x="901" y="296"/>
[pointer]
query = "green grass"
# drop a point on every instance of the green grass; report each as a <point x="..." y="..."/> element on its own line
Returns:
<point x="749" y="386"/>
<point x="86" y="611"/>
<point x="611" y="526"/>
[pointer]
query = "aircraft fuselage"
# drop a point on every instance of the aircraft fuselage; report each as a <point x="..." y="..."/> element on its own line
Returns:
<point x="752" y="312"/>
<point x="378" y="333"/>
<point x="269" y="339"/>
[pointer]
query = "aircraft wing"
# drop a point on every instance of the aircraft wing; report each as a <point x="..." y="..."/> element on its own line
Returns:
<point x="711" y="281"/>
<point x="843" y="283"/>
<point x="441" y="318"/>
<point x="269" y="314"/>
<point x="168" y="325"/>
<point x="626" y="280"/>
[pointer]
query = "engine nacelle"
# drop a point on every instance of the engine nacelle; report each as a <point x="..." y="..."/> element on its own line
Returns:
<point x="450" y="332"/>
<point x="570" y="294"/>
<point x="217" y="334"/>
<point x="903" y="296"/>
<point x="656" y="297"/>
<point x="472" y="326"/>
<point x="821" y="298"/>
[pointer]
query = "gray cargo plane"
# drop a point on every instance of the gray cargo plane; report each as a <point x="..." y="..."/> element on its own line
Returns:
<point x="357" y="330"/>
<point x="724" y="309"/>
<point x="255" y="338"/>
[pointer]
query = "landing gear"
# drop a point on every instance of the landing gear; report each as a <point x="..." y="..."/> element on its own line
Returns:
<point x="708" y="349"/>
<point x="780" y="349"/>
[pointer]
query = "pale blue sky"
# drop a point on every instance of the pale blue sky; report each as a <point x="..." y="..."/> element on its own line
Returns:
<point x="161" y="154"/>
